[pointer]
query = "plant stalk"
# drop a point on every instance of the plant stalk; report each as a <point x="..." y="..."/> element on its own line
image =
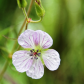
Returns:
<point x="4" y="69"/>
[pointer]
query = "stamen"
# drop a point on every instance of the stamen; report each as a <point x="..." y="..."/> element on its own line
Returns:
<point x="38" y="54"/>
<point x="31" y="54"/>
<point x="37" y="50"/>
<point x="31" y="51"/>
<point x="32" y="58"/>
<point x="35" y="57"/>
<point x="35" y="54"/>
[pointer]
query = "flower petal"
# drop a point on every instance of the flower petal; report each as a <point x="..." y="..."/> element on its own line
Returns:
<point x="30" y="39"/>
<point x="51" y="59"/>
<point x="26" y="39"/>
<point x="36" y="71"/>
<point x="21" y="60"/>
<point x="43" y="39"/>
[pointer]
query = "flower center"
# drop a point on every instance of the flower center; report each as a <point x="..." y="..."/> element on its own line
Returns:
<point x="35" y="54"/>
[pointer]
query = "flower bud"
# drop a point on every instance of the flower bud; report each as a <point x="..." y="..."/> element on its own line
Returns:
<point x="22" y="3"/>
<point x="39" y="8"/>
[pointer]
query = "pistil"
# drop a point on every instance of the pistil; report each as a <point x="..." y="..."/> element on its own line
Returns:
<point x="35" y="54"/>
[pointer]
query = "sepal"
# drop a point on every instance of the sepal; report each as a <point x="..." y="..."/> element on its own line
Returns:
<point x="39" y="8"/>
<point x="22" y="3"/>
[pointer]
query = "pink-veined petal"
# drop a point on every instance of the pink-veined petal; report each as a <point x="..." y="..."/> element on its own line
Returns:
<point x="30" y="39"/>
<point x="51" y="59"/>
<point x="26" y="39"/>
<point x="36" y="71"/>
<point x="43" y="39"/>
<point x="21" y="60"/>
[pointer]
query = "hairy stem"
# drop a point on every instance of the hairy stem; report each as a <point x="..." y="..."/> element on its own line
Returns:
<point x="29" y="9"/>
<point x="14" y="46"/>
<point x="24" y="11"/>
<point x="4" y="69"/>
<point x="28" y="12"/>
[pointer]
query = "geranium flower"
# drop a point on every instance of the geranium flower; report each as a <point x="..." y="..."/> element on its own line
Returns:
<point x="36" y="54"/>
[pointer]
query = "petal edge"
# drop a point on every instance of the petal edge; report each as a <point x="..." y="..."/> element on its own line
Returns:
<point x="36" y="71"/>
<point x="51" y="59"/>
<point x="21" y="60"/>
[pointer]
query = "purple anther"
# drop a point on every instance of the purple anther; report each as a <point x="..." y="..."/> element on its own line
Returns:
<point x="31" y="51"/>
<point x="37" y="50"/>
<point x="38" y="54"/>
<point x="32" y="58"/>
<point x="35" y="57"/>
<point x="31" y="54"/>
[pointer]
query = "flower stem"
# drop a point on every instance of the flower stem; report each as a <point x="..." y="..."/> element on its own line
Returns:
<point x="18" y="47"/>
<point x="28" y="12"/>
<point x="29" y="9"/>
<point x="30" y="6"/>
<point x="14" y="46"/>
<point x="26" y="25"/>
<point x="36" y="21"/>
<point x="24" y="11"/>
<point x="4" y="69"/>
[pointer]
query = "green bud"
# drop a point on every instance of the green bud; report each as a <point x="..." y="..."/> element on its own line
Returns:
<point x="22" y="3"/>
<point x="39" y="8"/>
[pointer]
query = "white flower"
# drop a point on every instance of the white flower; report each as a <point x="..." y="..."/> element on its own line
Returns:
<point x="36" y="54"/>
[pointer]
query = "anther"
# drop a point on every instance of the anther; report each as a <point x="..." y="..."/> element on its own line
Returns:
<point x="31" y="54"/>
<point x="31" y="51"/>
<point x="37" y="50"/>
<point x="32" y="58"/>
<point x="35" y="57"/>
<point x="38" y="54"/>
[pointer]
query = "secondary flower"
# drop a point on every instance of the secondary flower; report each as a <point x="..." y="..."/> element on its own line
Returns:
<point x="36" y="54"/>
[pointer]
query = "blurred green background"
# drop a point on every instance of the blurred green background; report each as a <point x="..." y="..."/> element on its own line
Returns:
<point x="64" y="21"/>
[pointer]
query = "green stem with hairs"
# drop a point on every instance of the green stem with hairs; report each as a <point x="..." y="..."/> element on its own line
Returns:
<point x="4" y="69"/>
<point x="28" y="12"/>
<point x="24" y="11"/>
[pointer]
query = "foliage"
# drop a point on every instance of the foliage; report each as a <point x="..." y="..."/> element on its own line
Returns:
<point x="64" y="21"/>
